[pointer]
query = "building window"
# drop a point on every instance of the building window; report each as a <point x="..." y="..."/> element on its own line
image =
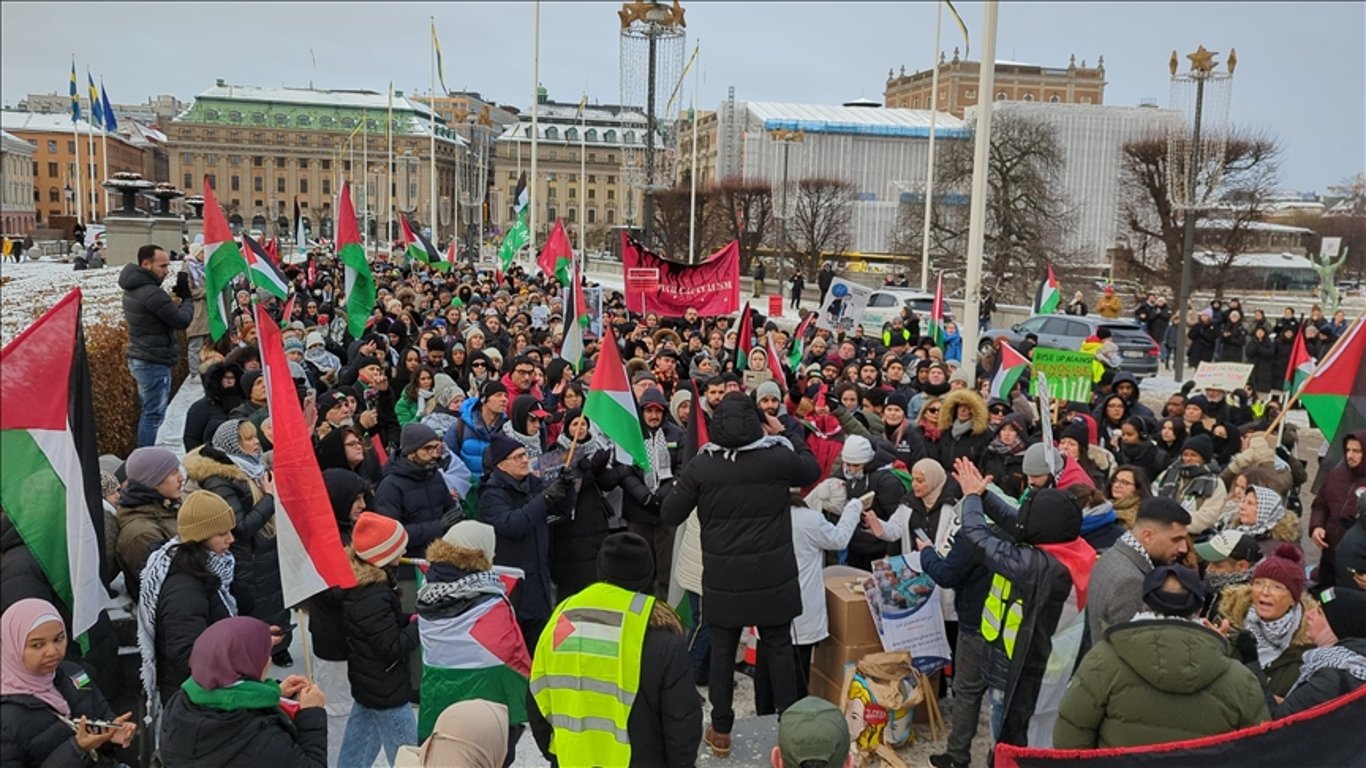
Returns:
<point x="211" y="134"/>
<point x="348" y="122"/>
<point x="324" y="141"/>
<point x="210" y="114"/>
<point x="280" y="185"/>
<point x="327" y="186"/>
<point x="573" y="193"/>
<point x="258" y="117"/>
<point x="610" y="137"/>
<point x="189" y="181"/>
<point x="282" y="120"/>
<point x="303" y="163"/>
<point x="550" y="214"/>
<point x="210" y="159"/>
<point x="235" y="116"/>
<point x="592" y="178"/>
<point x="185" y="158"/>
<point x="571" y="134"/>
<point x="327" y="164"/>
<point x="550" y="193"/>
<point x="592" y="194"/>
<point x="611" y="217"/>
<point x="1053" y="99"/>
<point x="611" y="195"/>
<point x="611" y="157"/>
<point x="592" y="215"/>
<point x="234" y="159"/>
<point x="1029" y="97"/>
<point x="573" y="215"/>
<point x="258" y="184"/>
<point x="212" y="180"/>
<point x="259" y="204"/>
<point x="326" y="121"/>
<point x="971" y="93"/>
<point x="52" y="170"/>
<point x="236" y="184"/>
<point x="71" y="147"/>
<point x="303" y="120"/>
<point x="1001" y="96"/>
<point x="258" y="161"/>
<point x="279" y="162"/>
<point x="51" y="146"/>
<point x="371" y="125"/>
<point x="303" y="186"/>
<point x="1085" y="99"/>
<point x="54" y="195"/>
<point x="590" y="135"/>
<point x="629" y="137"/>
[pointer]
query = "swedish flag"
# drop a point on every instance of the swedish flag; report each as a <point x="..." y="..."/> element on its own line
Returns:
<point x="440" y="68"/>
<point x="96" y="113"/>
<point x="75" y="99"/>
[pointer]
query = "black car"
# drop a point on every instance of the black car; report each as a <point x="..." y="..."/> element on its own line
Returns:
<point x="1140" y="354"/>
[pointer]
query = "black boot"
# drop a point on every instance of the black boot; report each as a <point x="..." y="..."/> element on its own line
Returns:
<point x="942" y="760"/>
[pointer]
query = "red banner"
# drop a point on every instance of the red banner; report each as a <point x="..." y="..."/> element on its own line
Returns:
<point x="712" y="287"/>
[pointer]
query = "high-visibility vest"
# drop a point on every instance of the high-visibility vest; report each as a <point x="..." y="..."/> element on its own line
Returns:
<point x="586" y="672"/>
<point x="1002" y="614"/>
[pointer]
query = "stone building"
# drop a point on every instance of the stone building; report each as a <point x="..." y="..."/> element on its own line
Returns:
<point x="55" y="163"/>
<point x="1073" y="84"/>
<point x="18" y="205"/>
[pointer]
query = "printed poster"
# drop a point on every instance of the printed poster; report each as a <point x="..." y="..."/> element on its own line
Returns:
<point x="592" y="300"/>
<point x="844" y="305"/>
<point x="907" y="611"/>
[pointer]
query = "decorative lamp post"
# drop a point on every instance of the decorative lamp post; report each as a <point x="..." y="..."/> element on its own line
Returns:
<point x="164" y="193"/>
<point x="128" y="186"/>
<point x="661" y="28"/>
<point x="196" y="203"/>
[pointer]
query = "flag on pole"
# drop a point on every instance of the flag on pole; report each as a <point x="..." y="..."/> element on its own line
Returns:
<point x="223" y="262"/>
<point x="557" y="254"/>
<point x="936" y="329"/>
<point x="961" y="26"/>
<point x="440" y="67"/>
<point x="272" y="249"/>
<point x="96" y="110"/>
<point x="359" y="281"/>
<point x="262" y="272"/>
<point x="1049" y="296"/>
<point x="75" y="98"/>
<point x="310" y="548"/>
<point x="111" y="123"/>
<point x="300" y="233"/>
<point x="451" y="256"/>
<point x="775" y="364"/>
<point x="695" y="435"/>
<point x="794" y="358"/>
<point x="49" y="468"/>
<point x="417" y="247"/>
<point x="1008" y="371"/>
<point x="744" y="339"/>
<point x="1335" y="393"/>
<point x="518" y="235"/>
<point x="575" y="318"/>
<point x="612" y="406"/>
<point x="1300" y="367"/>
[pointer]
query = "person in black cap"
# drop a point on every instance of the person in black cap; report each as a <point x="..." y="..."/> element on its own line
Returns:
<point x="1337" y="665"/>
<point x="1193" y="481"/>
<point x="1129" y="692"/>
<point x="664" y="725"/>
<point x="413" y="491"/>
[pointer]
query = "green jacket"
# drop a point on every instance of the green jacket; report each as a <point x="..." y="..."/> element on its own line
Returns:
<point x="1153" y="681"/>
<point x="1284" y="670"/>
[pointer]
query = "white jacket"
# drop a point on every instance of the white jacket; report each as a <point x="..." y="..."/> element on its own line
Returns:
<point x="812" y="534"/>
<point x="688" y="556"/>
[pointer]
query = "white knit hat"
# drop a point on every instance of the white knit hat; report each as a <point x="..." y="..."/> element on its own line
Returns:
<point x="857" y="450"/>
<point x="472" y="534"/>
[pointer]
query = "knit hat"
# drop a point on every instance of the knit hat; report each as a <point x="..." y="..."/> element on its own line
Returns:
<point x="898" y="400"/>
<point x="331" y="399"/>
<point x="472" y="534"/>
<point x="293" y="345"/>
<point x="365" y="361"/>
<point x="1076" y="431"/>
<point x="500" y="447"/>
<point x="150" y="465"/>
<point x="1285" y="566"/>
<point x="857" y="450"/>
<point x="492" y="387"/>
<point x="963" y="375"/>
<point x="813" y="730"/>
<point x="626" y="561"/>
<point x="1201" y="444"/>
<point x="314" y="339"/>
<point x="767" y="389"/>
<point x="415" y="436"/>
<point x="653" y="398"/>
<point x="109" y="483"/>
<point x="1166" y="603"/>
<point x="1199" y="401"/>
<point x="1035" y="460"/>
<point x="378" y="540"/>
<point x="1345" y="610"/>
<point x="204" y="515"/>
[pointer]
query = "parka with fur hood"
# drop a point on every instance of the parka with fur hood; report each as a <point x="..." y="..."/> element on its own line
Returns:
<point x="956" y="440"/>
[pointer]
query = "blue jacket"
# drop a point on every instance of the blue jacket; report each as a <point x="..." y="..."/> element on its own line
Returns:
<point x="468" y="437"/>
<point x="953" y="346"/>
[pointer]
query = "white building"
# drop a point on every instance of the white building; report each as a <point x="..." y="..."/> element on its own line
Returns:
<point x="17" y="209"/>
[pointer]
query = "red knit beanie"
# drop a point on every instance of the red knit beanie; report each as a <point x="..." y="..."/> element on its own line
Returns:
<point x="1285" y="566"/>
<point x="378" y="540"/>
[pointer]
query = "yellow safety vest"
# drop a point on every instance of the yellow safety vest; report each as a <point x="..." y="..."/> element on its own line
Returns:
<point x="1002" y="614"/>
<point x="586" y="673"/>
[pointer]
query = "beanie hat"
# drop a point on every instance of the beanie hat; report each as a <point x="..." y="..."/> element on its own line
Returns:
<point x="1199" y="401"/>
<point x="109" y="483"/>
<point x="331" y="399"/>
<point x="898" y="400"/>
<point x="626" y="561"/>
<point x="1201" y="444"/>
<point x="962" y="375"/>
<point x="857" y="450"/>
<point x="293" y="345"/>
<point x="1285" y="566"/>
<point x="654" y="398"/>
<point x="1166" y="603"/>
<point x="415" y="436"/>
<point x="1036" y="460"/>
<point x="1345" y="610"/>
<point x="492" y="387"/>
<point x="767" y="389"/>
<point x="150" y="465"/>
<point x="204" y="515"/>
<point x="1076" y="431"/>
<point x="314" y="339"/>
<point x="378" y="540"/>
<point x="472" y="534"/>
<point x="500" y="447"/>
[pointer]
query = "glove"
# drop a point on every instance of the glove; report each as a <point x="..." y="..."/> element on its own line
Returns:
<point x="558" y="490"/>
<point x="1246" y="647"/>
<point x="452" y="517"/>
<point x="182" y="287"/>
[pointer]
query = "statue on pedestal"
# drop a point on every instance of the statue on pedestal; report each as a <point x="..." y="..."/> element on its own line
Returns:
<point x="1328" y="289"/>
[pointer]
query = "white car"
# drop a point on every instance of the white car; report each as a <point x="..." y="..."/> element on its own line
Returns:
<point x="886" y="303"/>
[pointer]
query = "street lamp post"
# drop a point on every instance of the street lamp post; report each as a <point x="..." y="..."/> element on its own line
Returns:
<point x="787" y="139"/>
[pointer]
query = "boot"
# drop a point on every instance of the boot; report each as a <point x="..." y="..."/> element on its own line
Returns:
<point x="719" y="742"/>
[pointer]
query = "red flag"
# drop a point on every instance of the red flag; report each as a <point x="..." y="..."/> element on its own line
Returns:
<point x="555" y="257"/>
<point x="775" y="365"/>
<point x="272" y="247"/>
<point x="310" y="548"/>
<point x="450" y="253"/>
<point x="696" y="435"/>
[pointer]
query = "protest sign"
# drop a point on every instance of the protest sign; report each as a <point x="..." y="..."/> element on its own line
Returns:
<point x="1226" y="376"/>
<point x="1068" y="373"/>
<point x="844" y="305"/>
<point x="907" y="611"/>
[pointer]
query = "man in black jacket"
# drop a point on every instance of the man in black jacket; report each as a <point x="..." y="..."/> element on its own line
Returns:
<point x="642" y="491"/>
<point x="665" y="723"/>
<point x="412" y="491"/>
<point x="153" y="320"/>
<point x="739" y="485"/>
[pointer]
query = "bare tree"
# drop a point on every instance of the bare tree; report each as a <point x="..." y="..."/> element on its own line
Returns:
<point x="671" y="220"/>
<point x="822" y="221"/>
<point x="740" y="210"/>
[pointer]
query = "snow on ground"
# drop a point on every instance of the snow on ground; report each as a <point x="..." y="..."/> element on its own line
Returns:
<point x="31" y="288"/>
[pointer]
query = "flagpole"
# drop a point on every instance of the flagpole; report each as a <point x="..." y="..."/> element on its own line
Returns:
<point x="431" y="128"/>
<point x="583" y="172"/>
<point x="76" y="145"/>
<point x="90" y="145"/>
<point x="365" y="176"/>
<point x="929" y="162"/>
<point x="535" y="107"/>
<point x="389" y="186"/>
<point x="104" y="147"/>
<point x="692" y="194"/>
<point x="978" y="214"/>
<point x="1295" y="398"/>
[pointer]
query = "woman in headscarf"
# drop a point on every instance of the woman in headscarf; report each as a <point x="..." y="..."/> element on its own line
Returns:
<point x="929" y="506"/>
<point x="227" y="713"/>
<point x="525" y="424"/>
<point x="344" y="448"/>
<point x="1262" y="513"/>
<point x="466" y="734"/>
<point x="574" y="542"/>
<point x="47" y="702"/>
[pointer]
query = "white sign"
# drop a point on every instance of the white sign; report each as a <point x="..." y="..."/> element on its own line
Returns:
<point x="907" y="611"/>
<point x="844" y="305"/>
<point x="1331" y="247"/>
<point x="1229" y="377"/>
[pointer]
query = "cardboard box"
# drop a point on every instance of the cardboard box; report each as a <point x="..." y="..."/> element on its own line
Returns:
<point x="830" y="655"/>
<point x="850" y="620"/>
<point x="819" y="684"/>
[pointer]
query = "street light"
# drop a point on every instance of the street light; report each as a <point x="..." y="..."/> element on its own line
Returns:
<point x="787" y="139"/>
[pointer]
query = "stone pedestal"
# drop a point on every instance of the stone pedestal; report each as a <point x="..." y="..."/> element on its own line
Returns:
<point x="195" y="228"/>
<point x="167" y="233"/>
<point x="124" y="236"/>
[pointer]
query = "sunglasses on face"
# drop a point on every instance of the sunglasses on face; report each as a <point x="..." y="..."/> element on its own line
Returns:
<point x="1000" y="411"/>
<point x="479" y="364"/>
<point x="932" y="410"/>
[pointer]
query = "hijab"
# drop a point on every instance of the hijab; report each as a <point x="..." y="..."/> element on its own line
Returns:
<point x="935" y="477"/>
<point x="469" y="733"/>
<point x="15" y="679"/>
<point x="230" y="650"/>
<point x="228" y="439"/>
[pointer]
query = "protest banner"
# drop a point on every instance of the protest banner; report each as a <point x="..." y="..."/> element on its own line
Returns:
<point x="844" y="305"/>
<point x="592" y="301"/>
<point x="711" y="287"/>
<point x="1068" y="373"/>
<point x="1228" y="377"/>
<point x="907" y="611"/>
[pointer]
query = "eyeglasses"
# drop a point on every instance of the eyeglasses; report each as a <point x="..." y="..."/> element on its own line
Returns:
<point x="932" y="410"/>
<point x="524" y="371"/>
<point x="479" y="364"/>
<point x="1000" y="411"/>
<point x="1121" y="481"/>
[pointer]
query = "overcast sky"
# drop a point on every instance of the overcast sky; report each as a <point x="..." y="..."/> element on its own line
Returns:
<point x="1301" y="66"/>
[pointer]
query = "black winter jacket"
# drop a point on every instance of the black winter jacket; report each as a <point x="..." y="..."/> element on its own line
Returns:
<point x="31" y="734"/>
<point x="965" y="572"/>
<point x="417" y="497"/>
<point x="665" y="724"/>
<point x="379" y="638"/>
<point x="739" y="487"/>
<point x="211" y="410"/>
<point x="325" y="608"/>
<point x="199" y="737"/>
<point x="1323" y="685"/>
<point x="1262" y="355"/>
<point x="517" y="510"/>
<point x="889" y="491"/>
<point x="574" y="543"/>
<point x="636" y="504"/>
<point x="185" y="608"/>
<point x="153" y="318"/>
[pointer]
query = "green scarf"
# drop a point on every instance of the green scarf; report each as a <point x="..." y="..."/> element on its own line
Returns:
<point x="247" y="694"/>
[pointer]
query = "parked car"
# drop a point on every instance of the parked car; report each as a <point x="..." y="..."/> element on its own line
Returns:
<point x="886" y="303"/>
<point x="1140" y="354"/>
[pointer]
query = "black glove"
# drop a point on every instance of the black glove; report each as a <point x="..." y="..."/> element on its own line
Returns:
<point x="182" y="287"/>
<point x="452" y="517"/>
<point x="1245" y="645"/>
<point x="558" y="490"/>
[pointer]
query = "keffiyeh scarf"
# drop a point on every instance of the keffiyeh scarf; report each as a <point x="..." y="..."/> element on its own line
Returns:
<point x="1272" y="637"/>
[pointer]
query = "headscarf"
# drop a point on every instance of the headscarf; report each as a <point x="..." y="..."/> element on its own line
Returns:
<point x="1270" y="510"/>
<point x="227" y="438"/>
<point x="15" y="679"/>
<point x="472" y="734"/>
<point x="935" y="477"/>
<point x="230" y="650"/>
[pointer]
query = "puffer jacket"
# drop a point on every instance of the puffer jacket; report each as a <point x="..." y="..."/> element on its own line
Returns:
<point x="973" y="443"/>
<point x="1154" y="681"/>
<point x="31" y="734"/>
<point x="211" y="410"/>
<point x="193" y="736"/>
<point x="146" y="520"/>
<point x="1323" y="685"/>
<point x="417" y="497"/>
<point x="254" y="543"/>
<point x="469" y="437"/>
<point x="152" y="316"/>
<point x="379" y="638"/>
<point x="185" y="608"/>
<point x="739" y="486"/>
<point x="518" y="512"/>
<point x="1284" y="669"/>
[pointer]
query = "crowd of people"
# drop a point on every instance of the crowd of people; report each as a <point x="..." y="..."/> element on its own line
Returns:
<point x="513" y="568"/>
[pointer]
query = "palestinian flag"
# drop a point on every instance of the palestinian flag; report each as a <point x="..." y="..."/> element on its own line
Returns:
<point x="1008" y="371"/>
<point x="775" y="365"/>
<point x="520" y="233"/>
<point x="555" y="258"/>
<point x="262" y="272"/>
<point x="695" y="435"/>
<point x="49" y="466"/>
<point x="359" y="281"/>
<point x="575" y="318"/>
<point x="611" y="405"/>
<point x="450" y="259"/>
<point x="1049" y="296"/>
<point x="478" y="654"/>
<point x="794" y="357"/>
<point x="589" y="631"/>
<point x="223" y="262"/>
<point x="1335" y="393"/>
<point x="936" y="329"/>
<point x="744" y="339"/>
<point x="418" y="247"/>
<point x="312" y="558"/>
<point x="300" y="233"/>
<point x="1301" y="365"/>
